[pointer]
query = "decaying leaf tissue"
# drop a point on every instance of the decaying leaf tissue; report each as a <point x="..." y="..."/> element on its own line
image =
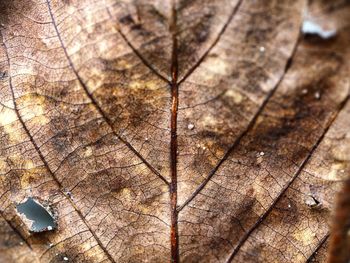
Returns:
<point x="174" y="131"/>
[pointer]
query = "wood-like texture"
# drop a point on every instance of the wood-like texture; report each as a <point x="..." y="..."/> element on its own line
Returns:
<point x="182" y="131"/>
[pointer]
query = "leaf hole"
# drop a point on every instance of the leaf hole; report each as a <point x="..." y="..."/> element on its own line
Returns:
<point x="36" y="216"/>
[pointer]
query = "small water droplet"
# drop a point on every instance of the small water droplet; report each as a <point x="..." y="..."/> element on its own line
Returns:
<point x="289" y="206"/>
<point x="262" y="49"/>
<point x="317" y="95"/>
<point x="50" y="245"/>
<point x="190" y="126"/>
<point x="21" y="243"/>
<point x="342" y="171"/>
<point x="312" y="201"/>
<point x="304" y="91"/>
<point x="65" y="258"/>
<point x="262" y="153"/>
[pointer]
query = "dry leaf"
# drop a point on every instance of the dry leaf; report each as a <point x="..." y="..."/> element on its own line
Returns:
<point x="157" y="131"/>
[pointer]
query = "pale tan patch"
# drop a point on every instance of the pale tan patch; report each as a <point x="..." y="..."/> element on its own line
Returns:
<point x="234" y="95"/>
<point x="32" y="106"/>
<point x="27" y="179"/>
<point x="217" y="65"/>
<point x="8" y="120"/>
<point x="208" y="120"/>
<point x="341" y="152"/>
<point x="88" y="151"/>
<point x="306" y="236"/>
<point x="7" y="116"/>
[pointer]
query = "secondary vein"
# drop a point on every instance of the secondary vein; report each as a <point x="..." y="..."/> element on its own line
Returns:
<point x="45" y="163"/>
<point x="96" y="104"/>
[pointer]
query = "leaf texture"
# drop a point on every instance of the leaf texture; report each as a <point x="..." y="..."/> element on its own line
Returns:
<point x="182" y="131"/>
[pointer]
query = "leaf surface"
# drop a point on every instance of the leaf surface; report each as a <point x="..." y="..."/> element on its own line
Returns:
<point x="192" y="131"/>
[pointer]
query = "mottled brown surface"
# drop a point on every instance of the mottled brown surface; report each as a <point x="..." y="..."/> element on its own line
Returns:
<point x="340" y="242"/>
<point x="183" y="131"/>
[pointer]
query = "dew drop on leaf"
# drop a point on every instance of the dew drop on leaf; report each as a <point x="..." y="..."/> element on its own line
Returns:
<point x="262" y="49"/>
<point x="317" y="95"/>
<point x="190" y="126"/>
<point x="311" y="201"/>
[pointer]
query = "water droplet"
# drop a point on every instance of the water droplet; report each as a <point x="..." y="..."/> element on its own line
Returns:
<point x="190" y="126"/>
<point x="65" y="258"/>
<point x="262" y="49"/>
<point x="304" y="91"/>
<point x="312" y="201"/>
<point x="21" y="243"/>
<point x="50" y="245"/>
<point x="317" y="95"/>
<point x="262" y="153"/>
<point x="289" y="206"/>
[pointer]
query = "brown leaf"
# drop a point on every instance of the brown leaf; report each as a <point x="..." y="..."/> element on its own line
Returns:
<point x="156" y="131"/>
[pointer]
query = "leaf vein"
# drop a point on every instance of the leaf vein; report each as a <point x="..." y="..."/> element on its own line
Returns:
<point x="45" y="162"/>
<point x="286" y="187"/>
<point x="96" y="104"/>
